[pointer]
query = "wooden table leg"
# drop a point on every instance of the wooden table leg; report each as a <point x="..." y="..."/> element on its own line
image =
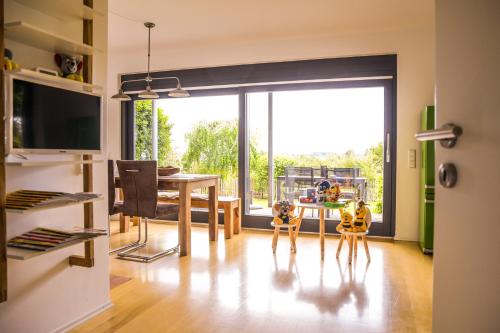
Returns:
<point x="213" y="220"/>
<point x="322" y="232"/>
<point x="228" y="221"/>
<point x="291" y="235"/>
<point x="124" y="223"/>
<point x="301" y="215"/>
<point x="237" y="218"/>
<point x="184" y="219"/>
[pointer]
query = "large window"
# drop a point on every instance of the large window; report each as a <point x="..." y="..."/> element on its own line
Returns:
<point x="334" y="134"/>
<point x="271" y="131"/>
<point x="198" y="134"/>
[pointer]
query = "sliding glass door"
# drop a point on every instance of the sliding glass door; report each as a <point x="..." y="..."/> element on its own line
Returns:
<point x="339" y="132"/>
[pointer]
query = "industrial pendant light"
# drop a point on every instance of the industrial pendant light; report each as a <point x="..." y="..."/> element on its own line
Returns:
<point x="149" y="93"/>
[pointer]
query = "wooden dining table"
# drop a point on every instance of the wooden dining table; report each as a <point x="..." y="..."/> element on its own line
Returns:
<point x="185" y="184"/>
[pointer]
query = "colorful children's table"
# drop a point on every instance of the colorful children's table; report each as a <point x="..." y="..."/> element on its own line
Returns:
<point x="340" y="205"/>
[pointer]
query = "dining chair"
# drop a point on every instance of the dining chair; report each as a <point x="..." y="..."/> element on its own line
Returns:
<point x="139" y="182"/>
<point x="297" y="179"/>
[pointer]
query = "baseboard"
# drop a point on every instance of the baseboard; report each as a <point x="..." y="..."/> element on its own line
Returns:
<point x="85" y="317"/>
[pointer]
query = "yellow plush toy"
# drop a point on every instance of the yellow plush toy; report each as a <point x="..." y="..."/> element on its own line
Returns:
<point x="345" y="222"/>
<point x="361" y="214"/>
<point x="283" y="213"/>
<point x="333" y="193"/>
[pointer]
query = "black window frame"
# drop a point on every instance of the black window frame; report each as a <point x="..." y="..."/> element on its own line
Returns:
<point x="351" y="72"/>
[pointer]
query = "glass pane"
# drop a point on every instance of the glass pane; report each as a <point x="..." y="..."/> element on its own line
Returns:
<point x="335" y="134"/>
<point x="197" y="134"/>
<point x="259" y="195"/>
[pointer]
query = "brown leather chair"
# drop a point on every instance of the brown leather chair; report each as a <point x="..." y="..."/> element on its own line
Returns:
<point x="139" y="182"/>
<point x="116" y="207"/>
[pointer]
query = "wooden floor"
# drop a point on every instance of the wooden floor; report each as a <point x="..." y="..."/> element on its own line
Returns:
<point x="238" y="285"/>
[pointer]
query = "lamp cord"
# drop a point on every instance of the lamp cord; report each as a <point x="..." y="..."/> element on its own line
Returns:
<point x="149" y="50"/>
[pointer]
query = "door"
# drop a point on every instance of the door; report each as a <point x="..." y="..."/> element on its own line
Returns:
<point x="299" y="135"/>
<point x="467" y="226"/>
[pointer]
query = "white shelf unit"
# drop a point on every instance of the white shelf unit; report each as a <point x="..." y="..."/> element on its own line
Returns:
<point x="26" y="33"/>
<point x="64" y="10"/>
<point x="51" y="206"/>
<point x="57" y="79"/>
<point x="21" y="254"/>
<point x="28" y="163"/>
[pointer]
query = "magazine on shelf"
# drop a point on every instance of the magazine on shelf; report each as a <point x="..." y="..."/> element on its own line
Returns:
<point x="44" y="239"/>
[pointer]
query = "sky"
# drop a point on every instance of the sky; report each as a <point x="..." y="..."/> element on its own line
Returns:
<point x="304" y="122"/>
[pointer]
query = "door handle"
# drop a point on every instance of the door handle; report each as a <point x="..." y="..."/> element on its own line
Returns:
<point x="447" y="135"/>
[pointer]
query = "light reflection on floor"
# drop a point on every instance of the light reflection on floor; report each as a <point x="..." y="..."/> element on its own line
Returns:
<point x="251" y="290"/>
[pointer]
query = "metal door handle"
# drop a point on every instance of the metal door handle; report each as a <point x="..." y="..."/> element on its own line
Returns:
<point x="447" y="135"/>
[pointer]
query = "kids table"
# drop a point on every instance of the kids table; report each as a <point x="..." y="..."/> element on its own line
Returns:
<point x="340" y="205"/>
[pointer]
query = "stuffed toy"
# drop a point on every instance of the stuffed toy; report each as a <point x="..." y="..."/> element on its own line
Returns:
<point x="322" y="187"/>
<point x="333" y="193"/>
<point x="8" y="64"/>
<point x="70" y="66"/>
<point x="345" y="222"/>
<point x="283" y="213"/>
<point x="361" y="214"/>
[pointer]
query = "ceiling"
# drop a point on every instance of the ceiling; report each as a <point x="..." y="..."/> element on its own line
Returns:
<point x="188" y="22"/>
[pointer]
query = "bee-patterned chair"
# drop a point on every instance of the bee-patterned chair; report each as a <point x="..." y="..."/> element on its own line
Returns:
<point x="352" y="238"/>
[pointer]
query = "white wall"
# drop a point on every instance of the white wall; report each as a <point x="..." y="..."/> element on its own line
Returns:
<point x="414" y="47"/>
<point x="45" y="293"/>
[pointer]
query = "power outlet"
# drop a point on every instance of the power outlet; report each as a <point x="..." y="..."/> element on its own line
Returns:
<point x="412" y="158"/>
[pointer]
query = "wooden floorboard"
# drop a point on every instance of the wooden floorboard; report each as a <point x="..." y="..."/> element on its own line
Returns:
<point x="238" y="285"/>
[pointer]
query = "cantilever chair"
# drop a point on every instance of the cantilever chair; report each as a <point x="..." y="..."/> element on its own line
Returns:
<point x="116" y="207"/>
<point x="139" y="181"/>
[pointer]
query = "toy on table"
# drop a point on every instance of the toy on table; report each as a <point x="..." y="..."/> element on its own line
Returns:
<point x="70" y="66"/>
<point x="322" y="187"/>
<point x="345" y="222"/>
<point x="8" y="64"/>
<point x="333" y="193"/>
<point x="283" y="213"/>
<point x="362" y="213"/>
<point x="310" y="197"/>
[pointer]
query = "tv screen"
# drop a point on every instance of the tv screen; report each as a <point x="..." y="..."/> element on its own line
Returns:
<point x="49" y="118"/>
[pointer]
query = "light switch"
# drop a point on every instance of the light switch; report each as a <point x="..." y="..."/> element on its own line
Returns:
<point x="412" y="155"/>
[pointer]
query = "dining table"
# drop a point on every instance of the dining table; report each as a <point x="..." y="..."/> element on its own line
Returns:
<point x="185" y="184"/>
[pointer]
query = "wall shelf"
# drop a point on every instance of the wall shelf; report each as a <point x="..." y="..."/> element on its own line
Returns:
<point x="51" y="206"/>
<point x="32" y="163"/>
<point x="34" y="36"/>
<point x="64" y="10"/>
<point x="56" y="79"/>
<point x="21" y="254"/>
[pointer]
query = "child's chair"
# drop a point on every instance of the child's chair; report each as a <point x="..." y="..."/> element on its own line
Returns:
<point x="291" y="235"/>
<point x="352" y="239"/>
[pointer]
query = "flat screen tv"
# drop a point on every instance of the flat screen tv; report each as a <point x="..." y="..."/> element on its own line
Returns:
<point x="52" y="117"/>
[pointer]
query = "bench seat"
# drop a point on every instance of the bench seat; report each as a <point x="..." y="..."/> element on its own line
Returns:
<point x="230" y="205"/>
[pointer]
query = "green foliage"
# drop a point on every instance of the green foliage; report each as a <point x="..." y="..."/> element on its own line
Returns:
<point x="143" y="133"/>
<point x="213" y="149"/>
